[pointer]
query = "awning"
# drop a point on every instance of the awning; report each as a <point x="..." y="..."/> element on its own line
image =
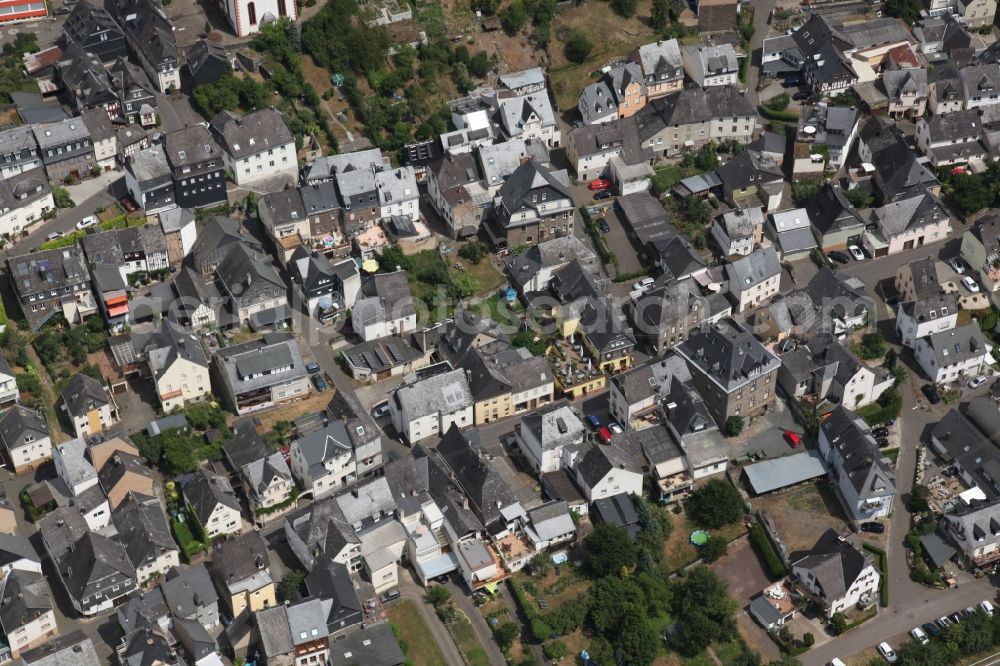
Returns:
<point x="118" y="310"/>
<point x="491" y="588"/>
<point x="438" y="566"/>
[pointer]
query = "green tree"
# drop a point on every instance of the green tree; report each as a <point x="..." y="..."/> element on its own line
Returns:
<point x="438" y="595"/>
<point x="702" y="604"/>
<point x="714" y="548"/>
<point x="808" y="639"/>
<point x="62" y="198"/>
<point x="636" y="641"/>
<point x="466" y="285"/>
<point x="610" y="597"/>
<point x="803" y="191"/>
<point x="778" y="102"/>
<point x="608" y="551"/>
<point x="474" y="251"/>
<point x="838" y="622"/>
<point x="660" y="14"/>
<point x="624" y="8"/>
<point x="555" y="650"/>
<point x="506" y="633"/>
<point x="733" y="426"/>
<point x="715" y="504"/>
<point x="479" y="65"/>
<point x="513" y="17"/>
<point x="908" y="10"/>
<point x="971" y="193"/>
<point x="918" y="498"/>
<point x="539" y="565"/>
<point x="291" y="584"/>
<point x="656" y="527"/>
<point x="872" y="346"/>
<point x="860" y="197"/>
<point x="180" y="451"/>
<point x="578" y="48"/>
<point x="707" y="159"/>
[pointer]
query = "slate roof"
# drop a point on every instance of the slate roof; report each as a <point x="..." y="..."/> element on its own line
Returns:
<point x="836" y="563"/>
<point x="273" y="351"/>
<point x="975" y="527"/>
<point x="275" y="634"/>
<point x="246" y="446"/>
<point x="911" y="212"/>
<point x="73" y="649"/>
<point x="445" y="393"/>
<point x="367" y="499"/>
<point x="20" y="426"/>
<point x="374" y="645"/>
<point x="661" y="61"/>
<point x="693" y="106"/>
<point x="258" y="131"/>
<point x="142" y="528"/>
<point x="206" y="491"/>
<point x="753" y="269"/>
<point x="529" y="179"/>
<point x="188" y="588"/>
<point x="239" y="558"/>
<point x="486" y="490"/>
<point x="331" y="580"/>
<point x="600" y="460"/>
<point x="957" y="345"/>
<point x="554" y="425"/>
<point x="749" y="168"/>
<point x="861" y="460"/>
<point x="829" y="211"/>
<point x="727" y="352"/>
<point x="190" y="146"/>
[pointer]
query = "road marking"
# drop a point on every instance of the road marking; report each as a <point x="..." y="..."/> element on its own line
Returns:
<point x="983" y="661"/>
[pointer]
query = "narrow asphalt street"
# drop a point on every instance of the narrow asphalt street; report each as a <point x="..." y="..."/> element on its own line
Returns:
<point x="762" y="11"/>
<point x="910" y="604"/>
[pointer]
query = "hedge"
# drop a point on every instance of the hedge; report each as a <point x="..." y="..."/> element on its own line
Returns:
<point x="772" y="562"/>
<point x="883" y="565"/>
<point x="69" y="240"/>
<point x="185" y="539"/>
<point x="530" y="613"/>
<point x="784" y="116"/>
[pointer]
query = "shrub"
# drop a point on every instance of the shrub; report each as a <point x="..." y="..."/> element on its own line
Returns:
<point x="555" y="650"/>
<point x="765" y="549"/>
<point x="714" y="548"/>
<point x="578" y="48"/>
<point x="540" y="629"/>
<point x="734" y="426"/>
<point x="838" y="623"/>
<point x="778" y="102"/>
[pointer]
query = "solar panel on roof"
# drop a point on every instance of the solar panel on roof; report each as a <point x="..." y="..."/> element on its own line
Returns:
<point x="396" y="352"/>
<point x="383" y="357"/>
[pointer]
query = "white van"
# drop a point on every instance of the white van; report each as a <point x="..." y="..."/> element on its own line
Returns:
<point x="987" y="607"/>
<point x="837" y="662"/>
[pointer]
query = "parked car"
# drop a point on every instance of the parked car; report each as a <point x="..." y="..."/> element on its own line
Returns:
<point x="957" y="265"/>
<point x="986" y="607"/>
<point x="838" y="256"/>
<point x="792" y="82"/>
<point x="956" y="618"/>
<point x="604" y="194"/>
<point x="970" y="283"/>
<point x="856" y="252"/>
<point x="794" y="439"/>
<point x="881" y="432"/>
<point x="390" y="595"/>
<point x="931" y="629"/>
<point x="312" y="368"/>
<point x="977" y="381"/>
<point x="642" y="284"/>
<point x="918" y="635"/>
<point x="603" y="224"/>
<point x="88" y="221"/>
<point x="944" y="621"/>
<point x="319" y="383"/>
<point x="599" y="184"/>
<point x="969" y="611"/>
<point x="54" y="235"/>
<point x="889" y="423"/>
<point x="380" y="411"/>
<point x="887" y="653"/>
<point x="616" y="429"/>
<point x="604" y="434"/>
<point x="594" y="422"/>
<point x="882" y="442"/>
<point x="129" y="205"/>
<point x="931" y="393"/>
<point x="802" y="96"/>
<point x="873" y="527"/>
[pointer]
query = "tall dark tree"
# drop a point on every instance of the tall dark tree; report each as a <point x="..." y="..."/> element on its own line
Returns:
<point x="607" y="551"/>
<point x="660" y="14"/>
<point x="715" y="504"/>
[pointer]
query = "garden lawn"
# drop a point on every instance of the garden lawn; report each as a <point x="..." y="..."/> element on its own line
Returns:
<point x="467" y="642"/>
<point x="678" y="551"/>
<point x="421" y="646"/>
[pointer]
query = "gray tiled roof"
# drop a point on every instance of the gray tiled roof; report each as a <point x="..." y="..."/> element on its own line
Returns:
<point x="84" y="393"/>
<point x="255" y="132"/>
<point x="754" y="268"/>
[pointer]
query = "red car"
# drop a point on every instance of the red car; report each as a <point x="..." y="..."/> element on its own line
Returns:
<point x="129" y="205"/>
<point x="604" y="434"/>
<point x="793" y="438"/>
<point x="599" y="184"/>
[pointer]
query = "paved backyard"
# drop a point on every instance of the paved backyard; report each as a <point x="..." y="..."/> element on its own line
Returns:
<point x="763" y="435"/>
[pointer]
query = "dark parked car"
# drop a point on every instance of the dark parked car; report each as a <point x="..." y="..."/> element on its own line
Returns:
<point x="874" y="528"/>
<point x="931" y="629"/>
<point x="319" y="383"/>
<point x="603" y="224"/>
<point x="390" y="595"/>
<point x="882" y="442"/>
<point x="839" y="257"/>
<point x="931" y="394"/>
<point x="312" y="368"/>
<point x="604" y="194"/>
<point x="802" y="96"/>
<point x="881" y="432"/>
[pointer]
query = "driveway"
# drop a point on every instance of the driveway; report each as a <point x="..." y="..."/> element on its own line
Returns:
<point x="764" y="435"/>
<point x="409" y="589"/>
<point x="743" y="574"/>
